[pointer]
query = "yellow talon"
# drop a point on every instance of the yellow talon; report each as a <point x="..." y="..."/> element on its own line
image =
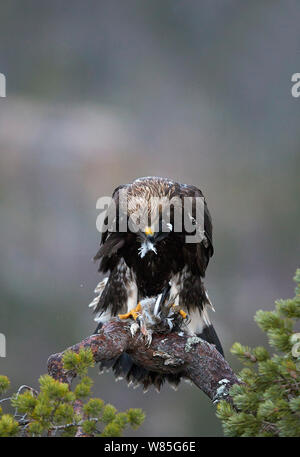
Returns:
<point x="124" y="316"/>
<point x="133" y="312"/>
<point x="183" y="314"/>
<point x="180" y="311"/>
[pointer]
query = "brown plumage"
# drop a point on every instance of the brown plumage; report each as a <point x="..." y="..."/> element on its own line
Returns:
<point x="152" y="261"/>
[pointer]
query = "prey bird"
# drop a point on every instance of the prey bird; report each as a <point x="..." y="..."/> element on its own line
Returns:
<point x="152" y="315"/>
<point x="155" y="265"/>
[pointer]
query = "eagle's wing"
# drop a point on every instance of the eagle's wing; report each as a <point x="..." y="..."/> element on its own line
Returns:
<point x="106" y="233"/>
<point x="119" y="293"/>
<point x="187" y="288"/>
<point x="197" y="255"/>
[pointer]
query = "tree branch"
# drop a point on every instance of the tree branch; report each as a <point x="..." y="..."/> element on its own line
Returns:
<point x="193" y="357"/>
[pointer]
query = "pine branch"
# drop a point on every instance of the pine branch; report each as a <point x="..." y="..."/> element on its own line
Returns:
<point x="193" y="357"/>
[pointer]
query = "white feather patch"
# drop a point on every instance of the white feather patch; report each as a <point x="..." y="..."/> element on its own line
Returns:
<point x="209" y="301"/>
<point x="99" y="289"/>
<point x="146" y="247"/>
<point x="103" y="317"/>
<point x="157" y="305"/>
<point x="198" y="320"/>
<point x="132" y="294"/>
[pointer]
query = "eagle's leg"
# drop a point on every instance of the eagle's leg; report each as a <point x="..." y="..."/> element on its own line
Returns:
<point x="177" y="309"/>
<point x="134" y="328"/>
<point x="183" y="314"/>
<point x="146" y="332"/>
<point x="134" y="312"/>
<point x="139" y="324"/>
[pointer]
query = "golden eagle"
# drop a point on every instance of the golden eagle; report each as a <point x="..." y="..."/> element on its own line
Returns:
<point x="162" y="251"/>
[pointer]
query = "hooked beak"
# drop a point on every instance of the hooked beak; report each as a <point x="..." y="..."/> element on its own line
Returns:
<point x="149" y="231"/>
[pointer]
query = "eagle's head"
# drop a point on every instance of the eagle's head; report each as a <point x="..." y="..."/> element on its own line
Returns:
<point x="151" y="218"/>
<point x="150" y="206"/>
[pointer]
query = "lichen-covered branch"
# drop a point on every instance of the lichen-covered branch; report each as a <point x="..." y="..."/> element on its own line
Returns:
<point x="193" y="357"/>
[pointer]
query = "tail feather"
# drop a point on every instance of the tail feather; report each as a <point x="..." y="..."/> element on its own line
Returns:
<point x="124" y="367"/>
<point x="209" y="334"/>
<point x="199" y="324"/>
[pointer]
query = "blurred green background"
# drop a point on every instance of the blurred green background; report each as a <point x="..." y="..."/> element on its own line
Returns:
<point x="101" y="92"/>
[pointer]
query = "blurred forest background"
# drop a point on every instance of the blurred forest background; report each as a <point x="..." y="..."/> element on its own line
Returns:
<point x="101" y="92"/>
